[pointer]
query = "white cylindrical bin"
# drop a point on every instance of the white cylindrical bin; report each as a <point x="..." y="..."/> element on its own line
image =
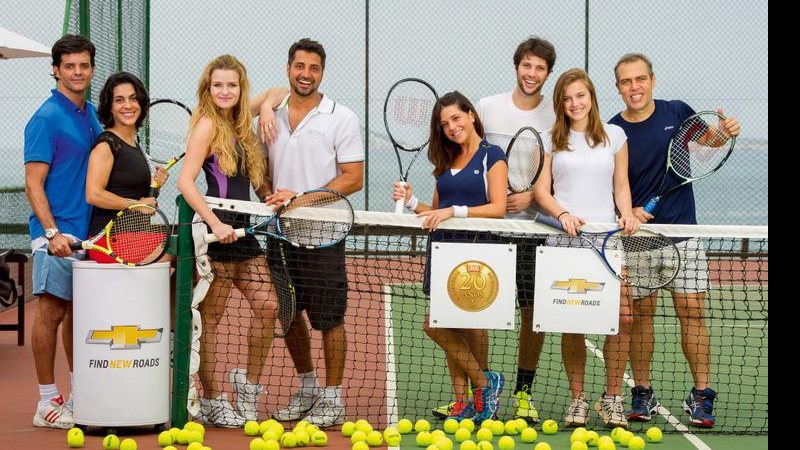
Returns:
<point x="121" y="344"/>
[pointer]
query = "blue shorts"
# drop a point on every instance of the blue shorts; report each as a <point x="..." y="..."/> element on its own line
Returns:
<point x="52" y="274"/>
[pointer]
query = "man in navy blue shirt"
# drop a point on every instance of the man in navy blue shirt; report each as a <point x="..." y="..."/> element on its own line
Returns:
<point x="649" y="124"/>
<point x="58" y="139"/>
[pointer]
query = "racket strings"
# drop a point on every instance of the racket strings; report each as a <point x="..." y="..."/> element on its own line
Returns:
<point x="408" y="112"/>
<point x="316" y="219"/>
<point x="651" y="260"/>
<point x="138" y="235"/>
<point x="524" y="161"/>
<point x="699" y="147"/>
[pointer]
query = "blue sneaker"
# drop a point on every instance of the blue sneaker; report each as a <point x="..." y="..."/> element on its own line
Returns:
<point x="490" y="397"/>
<point x="700" y="406"/>
<point x="468" y="412"/>
<point x="643" y="404"/>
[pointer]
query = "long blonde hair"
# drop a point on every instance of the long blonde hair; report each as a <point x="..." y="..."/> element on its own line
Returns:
<point x="228" y="131"/>
<point x="595" y="133"/>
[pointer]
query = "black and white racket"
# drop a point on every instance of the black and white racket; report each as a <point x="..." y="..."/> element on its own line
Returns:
<point x="699" y="148"/>
<point x="407" y="117"/>
<point x="525" y="155"/>
<point x="137" y="236"/>
<point x="312" y="219"/>
<point x="163" y="135"/>
<point x="650" y="260"/>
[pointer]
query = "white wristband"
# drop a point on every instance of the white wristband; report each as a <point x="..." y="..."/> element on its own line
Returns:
<point x="460" y="211"/>
<point x="412" y="203"/>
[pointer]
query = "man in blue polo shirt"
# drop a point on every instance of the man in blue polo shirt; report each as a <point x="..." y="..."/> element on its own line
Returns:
<point x="58" y="139"/>
<point x="649" y="124"/>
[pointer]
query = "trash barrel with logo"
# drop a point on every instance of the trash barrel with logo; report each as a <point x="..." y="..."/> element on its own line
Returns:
<point x="121" y="344"/>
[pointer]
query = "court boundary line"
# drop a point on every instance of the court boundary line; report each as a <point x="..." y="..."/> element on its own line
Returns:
<point x="664" y="412"/>
<point x="391" y="369"/>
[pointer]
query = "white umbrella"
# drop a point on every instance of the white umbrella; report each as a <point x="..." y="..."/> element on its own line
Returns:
<point x="13" y="45"/>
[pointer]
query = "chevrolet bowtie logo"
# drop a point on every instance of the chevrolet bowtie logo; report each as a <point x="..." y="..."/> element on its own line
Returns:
<point x="577" y="286"/>
<point x="124" y="336"/>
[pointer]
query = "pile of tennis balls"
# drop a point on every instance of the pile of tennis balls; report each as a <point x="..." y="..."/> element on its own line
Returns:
<point x="465" y="436"/>
<point x="271" y="435"/>
<point x="363" y="436"/>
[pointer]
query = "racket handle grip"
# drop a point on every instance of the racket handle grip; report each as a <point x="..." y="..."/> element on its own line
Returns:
<point x="208" y="238"/>
<point x="549" y="220"/>
<point x="401" y="202"/>
<point x="651" y="205"/>
<point x="72" y="246"/>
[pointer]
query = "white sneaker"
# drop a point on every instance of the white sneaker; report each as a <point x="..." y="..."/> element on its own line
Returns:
<point x="246" y="394"/>
<point x="219" y="413"/>
<point x="299" y="405"/>
<point x="612" y="411"/>
<point x="54" y="414"/>
<point x="577" y="413"/>
<point x="326" y="414"/>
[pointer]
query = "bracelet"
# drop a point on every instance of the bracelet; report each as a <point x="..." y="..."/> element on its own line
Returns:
<point x="460" y="211"/>
<point x="559" y="216"/>
<point x="412" y="203"/>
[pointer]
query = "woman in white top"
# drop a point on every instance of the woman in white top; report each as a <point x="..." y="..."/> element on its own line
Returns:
<point x="586" y="163"/>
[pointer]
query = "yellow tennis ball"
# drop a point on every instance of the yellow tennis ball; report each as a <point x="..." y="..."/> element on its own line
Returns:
<point x="498" y="427"/>
<point x="468" y="445"/>
<point x="636" y="443"/>
<point x="444" y="443"/>
<point x="311" y="428"/>
<point x="271" y="444"/>
<point x="264" y="425"/>
<point x="251" y="428"/>
<point x="462" y="434"/>
<point x="579" y="434"/>
<point x="436" y="434"/>
<point x="363" y="425"/>
<point x="579" y="445"/>
<point x="128" y="444"/>
<point x="172" y="447"/>
<point x="432" y="447"/>
<point x="591" y="438"/>
<point x="625" y="437"/>
<point x="511" y="427"/>
<point x="374" y="438"/>
<point x="422" y="425"/>
<point x="607" y="445"/>
<point x="404" y="426"/>
<point x="358" y="436"/>
<point x="550" y="426"/>
<point x="289" y="440"/>
<point x="194" y="446"/>
<point x="183" y="437"/>
<point x="194" y="436"/>
<point x="174" y="432"/>
<point x="319" y="438"/>
<point x="485" y="445"/>
<point x="528" y="435"/>
<point x="275" y="426"/>
<point x="615" y="433"/>
<point x="111" y="442"/>
<point x="468" y="424"/>
<point x="165" y="439"/>
<point x="360" y="445"/>
<point x="506" y="443"/>
<point x="654" y="434"/>
<point x="269" y="435"/>
<point x="257" y="444"/>
<point x="521" y="424"/>
<point x="390" y="431"/>
<point x="75" y="438"/>
<point x="542" y="446"/>
<point x="423" y="439"/>
<point x="484" y="434"/>
<point x="302" y="424"/>
<point x="393" y="440"/>
<point x="605" y="439"/>
<point x="450" y="426"/>
<point x="303" y="438"/>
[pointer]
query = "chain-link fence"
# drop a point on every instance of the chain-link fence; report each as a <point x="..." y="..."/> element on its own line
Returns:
<point x="465" y="45"/>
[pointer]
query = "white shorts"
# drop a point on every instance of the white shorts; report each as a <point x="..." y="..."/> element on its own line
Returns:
<point x="692" y="276"/>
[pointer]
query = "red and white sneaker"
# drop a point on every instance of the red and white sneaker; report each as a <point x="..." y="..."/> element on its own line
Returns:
<point x="55" y="414"/>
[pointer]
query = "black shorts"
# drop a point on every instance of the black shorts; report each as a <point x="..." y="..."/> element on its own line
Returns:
<point x="244" y="248"/>
<point x="320" y="280"/>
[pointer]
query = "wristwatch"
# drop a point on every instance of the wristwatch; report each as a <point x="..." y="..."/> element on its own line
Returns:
<point x="50" y="233"/>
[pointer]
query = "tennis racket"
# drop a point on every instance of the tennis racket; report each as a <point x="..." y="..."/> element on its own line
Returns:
<point x="642" y="254"/>
<point x="137" y="236"/>
<point x="407" y="117"/>
<point x="163" y="135"/>
<point x="286" y="292"/>
<point x="699" y="148"/>
<point x="314" y="219"/>
<point x="525" y="155"/>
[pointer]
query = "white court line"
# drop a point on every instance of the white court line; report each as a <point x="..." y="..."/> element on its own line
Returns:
<point x="667" y="414"/>
<point x="391" y="372"/>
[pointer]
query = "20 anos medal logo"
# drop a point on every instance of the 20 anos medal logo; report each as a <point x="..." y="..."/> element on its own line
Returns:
<point x="472" y="286"/>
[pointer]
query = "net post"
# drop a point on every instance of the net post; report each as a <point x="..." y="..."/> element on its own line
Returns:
<point x="183" y="314"/>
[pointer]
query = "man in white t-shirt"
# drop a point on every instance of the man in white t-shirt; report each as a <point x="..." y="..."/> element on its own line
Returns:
<point x="502" y="115"/>
<point x="318" y="144"/>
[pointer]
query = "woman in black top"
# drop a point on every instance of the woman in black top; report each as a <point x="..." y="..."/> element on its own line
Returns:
<point x="119" y="173"/>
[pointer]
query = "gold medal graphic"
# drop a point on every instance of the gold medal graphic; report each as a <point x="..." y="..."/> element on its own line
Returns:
<point x="472" y="286"/>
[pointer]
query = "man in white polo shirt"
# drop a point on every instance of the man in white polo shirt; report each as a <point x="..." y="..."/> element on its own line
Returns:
<point x="318" y="144"/>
